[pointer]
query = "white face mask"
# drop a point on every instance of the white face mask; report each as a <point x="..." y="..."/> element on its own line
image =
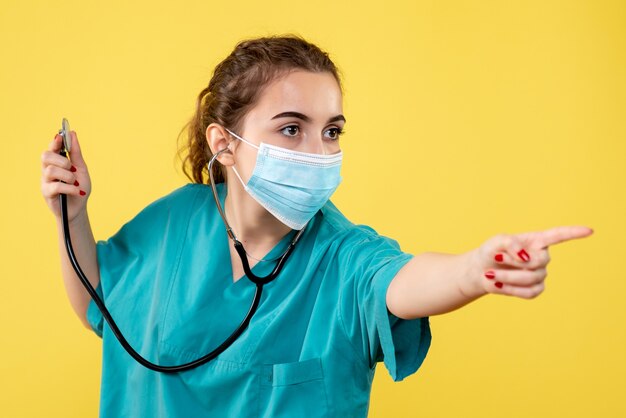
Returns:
<point x="292" y="185"/>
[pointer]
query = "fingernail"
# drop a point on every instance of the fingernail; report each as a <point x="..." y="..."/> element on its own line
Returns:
<point x="523" y="255"/>
<point x="499" y="257"/>
<point x="499" y="285"/>
<point x="490" y="274"/>
<point x="76" y="183"/>
<point x="73" y="169"/>
<point x="82" y="193"/>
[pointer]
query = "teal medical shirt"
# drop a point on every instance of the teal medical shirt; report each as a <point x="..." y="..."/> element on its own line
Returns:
<point x="310" y="350"/>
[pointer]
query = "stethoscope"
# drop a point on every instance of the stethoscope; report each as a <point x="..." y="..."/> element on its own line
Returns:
<point x="258" y="281"/>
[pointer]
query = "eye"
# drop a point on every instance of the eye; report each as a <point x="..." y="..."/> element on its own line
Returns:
<point x="335" y="133"/>
<point x="291" y="130"/>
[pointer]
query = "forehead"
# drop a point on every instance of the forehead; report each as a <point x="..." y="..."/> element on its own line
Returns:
<point x="315" y="94"/>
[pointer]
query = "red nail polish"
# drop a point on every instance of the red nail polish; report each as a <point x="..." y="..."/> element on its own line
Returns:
<point x="499" y="285"/>
<point x="523" y="255"/>
<point x="76" y="183"/>
<point x="82" y="193"/>
<point x="499" y="257"/>
<point x="490" y="274"/>
<point x="73" y="169"/>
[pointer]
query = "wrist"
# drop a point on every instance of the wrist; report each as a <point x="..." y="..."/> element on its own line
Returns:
<point x="81" y="219"/>
<point x="471" y="280"/>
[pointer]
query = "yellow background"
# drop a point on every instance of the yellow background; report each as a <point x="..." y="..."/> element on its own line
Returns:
<point x="465" y="119"/>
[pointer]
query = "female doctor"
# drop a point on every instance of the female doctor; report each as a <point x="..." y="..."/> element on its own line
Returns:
<point x="346" y="298"/>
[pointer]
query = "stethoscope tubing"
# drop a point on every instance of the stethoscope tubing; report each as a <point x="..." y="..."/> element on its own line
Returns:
<point x="258" y="281"/>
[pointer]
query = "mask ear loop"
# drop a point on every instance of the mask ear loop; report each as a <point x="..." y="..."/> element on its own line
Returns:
<point x="235" y="170"/>
<point x="242" y="139"/>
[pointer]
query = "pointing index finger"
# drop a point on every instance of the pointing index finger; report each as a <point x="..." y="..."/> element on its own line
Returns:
<point x="562" y="233"/>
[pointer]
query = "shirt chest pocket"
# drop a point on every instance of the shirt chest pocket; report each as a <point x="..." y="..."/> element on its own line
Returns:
<point x="294" y="389"/>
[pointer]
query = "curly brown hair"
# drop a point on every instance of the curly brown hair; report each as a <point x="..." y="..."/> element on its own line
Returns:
<point x="235" y="87"/>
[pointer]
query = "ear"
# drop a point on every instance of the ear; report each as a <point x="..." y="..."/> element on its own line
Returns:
<point x="218" y="138"/>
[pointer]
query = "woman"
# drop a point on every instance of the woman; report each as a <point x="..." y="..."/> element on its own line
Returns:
<point x="346" y="298"/>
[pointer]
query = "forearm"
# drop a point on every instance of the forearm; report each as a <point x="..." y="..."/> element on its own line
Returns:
<point x="84" y="246"/>
<point x="432" y="284"/>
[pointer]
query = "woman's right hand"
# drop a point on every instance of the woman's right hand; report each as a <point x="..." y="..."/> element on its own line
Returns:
<point x="68" y="176"/>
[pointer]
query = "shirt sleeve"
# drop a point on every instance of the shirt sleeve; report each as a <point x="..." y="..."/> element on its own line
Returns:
<point x="132" y="252"/>
<point x="401" y="344"/>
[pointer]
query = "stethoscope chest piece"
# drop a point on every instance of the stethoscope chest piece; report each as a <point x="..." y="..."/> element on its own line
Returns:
<point x="65" y="133"/>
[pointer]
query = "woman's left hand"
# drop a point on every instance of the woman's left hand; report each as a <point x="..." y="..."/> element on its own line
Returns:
<point x="515" y="265"/>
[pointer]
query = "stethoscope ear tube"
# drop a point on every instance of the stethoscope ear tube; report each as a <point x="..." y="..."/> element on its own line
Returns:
<point x="258" y="281"/>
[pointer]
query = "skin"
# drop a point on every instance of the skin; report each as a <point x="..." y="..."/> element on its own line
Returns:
<point x="430" y="284"/>
<point x="54" y="168"/>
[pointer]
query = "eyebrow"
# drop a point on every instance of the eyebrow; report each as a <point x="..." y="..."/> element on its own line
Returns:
<point x="305" y="117"/>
